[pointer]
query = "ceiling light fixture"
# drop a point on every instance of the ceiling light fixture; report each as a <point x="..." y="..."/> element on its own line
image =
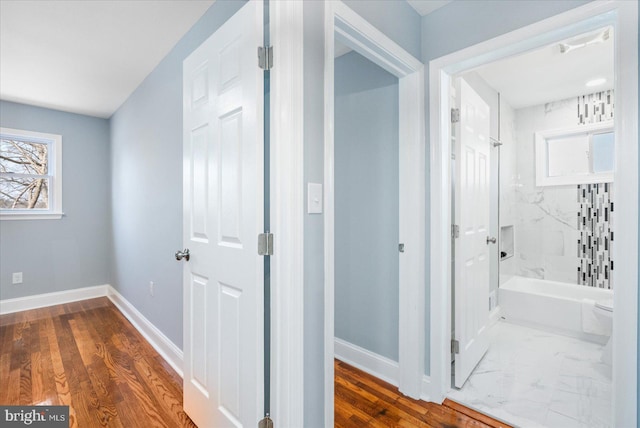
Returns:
<point x="583" y="41"/>
<point x="596" y="82"/>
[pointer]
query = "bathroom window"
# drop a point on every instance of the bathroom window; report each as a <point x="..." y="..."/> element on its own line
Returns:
<point x="30" y="175"/>
<point x="579" y="155"/>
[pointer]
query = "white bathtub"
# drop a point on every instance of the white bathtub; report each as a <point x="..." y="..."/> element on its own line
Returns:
<point x="555" y="306"/>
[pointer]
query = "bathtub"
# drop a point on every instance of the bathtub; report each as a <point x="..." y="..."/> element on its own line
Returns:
<point x="551" y="305"/>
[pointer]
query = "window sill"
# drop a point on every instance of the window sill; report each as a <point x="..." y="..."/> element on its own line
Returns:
<point x="31" y="216"/>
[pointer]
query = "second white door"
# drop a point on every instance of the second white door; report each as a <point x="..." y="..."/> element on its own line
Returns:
<point x="471" y="299"/>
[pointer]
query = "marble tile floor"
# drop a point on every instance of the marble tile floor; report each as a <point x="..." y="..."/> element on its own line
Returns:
<point x="531" y="378"/>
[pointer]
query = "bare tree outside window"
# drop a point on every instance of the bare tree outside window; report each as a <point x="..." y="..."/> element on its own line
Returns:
<point x="24" y="179"/>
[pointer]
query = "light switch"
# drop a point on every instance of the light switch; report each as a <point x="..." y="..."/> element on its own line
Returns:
<point x="314" y="198"/>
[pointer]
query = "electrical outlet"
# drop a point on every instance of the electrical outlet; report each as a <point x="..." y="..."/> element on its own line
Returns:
<point x="17" y="278"/>
<point x="151" y="288"/>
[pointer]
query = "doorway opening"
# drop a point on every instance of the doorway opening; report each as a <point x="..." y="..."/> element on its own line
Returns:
<point x="367" y="253"/>
<point x="544" y="306"/>
<point x="622" y="17"/>
<point x="398" y="75"/>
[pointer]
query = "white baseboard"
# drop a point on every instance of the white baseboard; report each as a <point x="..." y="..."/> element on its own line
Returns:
<point x="376" y="365"/>
<point x="367" y="361"/>
<point x="26" y="303"/>
<point x="161" y="343"/>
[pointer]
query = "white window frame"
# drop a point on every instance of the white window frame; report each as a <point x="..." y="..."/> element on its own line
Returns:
<point x="542" y="155"/>
<point x="54" y="168"/>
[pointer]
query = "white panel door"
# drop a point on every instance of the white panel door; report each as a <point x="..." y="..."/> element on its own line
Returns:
<point x="472" y="216"/>
<point x="223" y="215"/>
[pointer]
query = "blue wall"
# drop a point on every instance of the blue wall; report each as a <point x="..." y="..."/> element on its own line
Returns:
<point x="313" y="15"/>
<point x="73" y="252"/>
<point x="366" y="205"/>
<point x="146" y="181"/>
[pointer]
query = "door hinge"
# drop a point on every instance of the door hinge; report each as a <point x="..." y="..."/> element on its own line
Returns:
<point x="455" y="115"/>
<point x="455" y="231"/>
<point x="455" y="346"/>
<point x="265" y="57"/>
<point x="265" y="244"/>
<point x="266" y="422"/>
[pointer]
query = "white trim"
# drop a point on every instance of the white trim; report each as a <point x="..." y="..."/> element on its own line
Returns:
<point x="376" y="365"/>
<point x="412" y="203"/>
<point x="623" y="16"/>
<point x="31" y="216"/>
<point x="161" y="343"/>
<point x="356" y="32"/>
<point x="329" y="213"/>
<point x="344" y="24"/>
<point x="367" y="361"/>
<point x="426" y="388"/>
<point x="287" y="213"/>
<point x="625" y="226"/>
<point x="26" y="303"/>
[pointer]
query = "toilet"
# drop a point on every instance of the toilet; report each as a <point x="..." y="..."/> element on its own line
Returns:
<point x="603" y="309"/>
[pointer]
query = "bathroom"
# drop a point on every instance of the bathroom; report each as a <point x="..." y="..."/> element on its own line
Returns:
<point x="551" y="268"/>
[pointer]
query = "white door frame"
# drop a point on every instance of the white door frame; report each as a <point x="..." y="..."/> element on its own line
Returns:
<point x="287" y="213"/>
<point x="354" y="31"/>
<point x="623" y="15"/>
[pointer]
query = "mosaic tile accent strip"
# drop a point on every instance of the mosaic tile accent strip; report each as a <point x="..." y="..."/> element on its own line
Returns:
<point x="594" y="108"/>
<point x="596" y="237"/>
<point x="595" y="205"/>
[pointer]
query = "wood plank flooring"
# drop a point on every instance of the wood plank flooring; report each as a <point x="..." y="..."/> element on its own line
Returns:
<point x="88" y="356"/>
<point x="362" y="400"/>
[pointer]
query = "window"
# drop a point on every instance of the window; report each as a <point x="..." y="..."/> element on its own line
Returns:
<point x="30" y="175"/>
<point x="580" y="155"/>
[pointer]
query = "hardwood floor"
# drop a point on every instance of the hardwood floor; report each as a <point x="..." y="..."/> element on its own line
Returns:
<point x="88" y="356"/>
<point x="362" y="400"/>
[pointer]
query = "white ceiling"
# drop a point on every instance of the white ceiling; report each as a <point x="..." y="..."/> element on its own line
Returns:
<point x="86" y="57"/>
<point x="546" y="75"/>
<point x="424" y="7"/>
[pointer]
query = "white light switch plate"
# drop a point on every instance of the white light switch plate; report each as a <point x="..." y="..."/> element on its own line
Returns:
<point x="314" y="198"/>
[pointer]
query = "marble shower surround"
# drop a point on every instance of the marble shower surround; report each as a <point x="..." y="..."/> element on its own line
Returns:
<point x="546" y="232"/>
<point x="547" y="219"/>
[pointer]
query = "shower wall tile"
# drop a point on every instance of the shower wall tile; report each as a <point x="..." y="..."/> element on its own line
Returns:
<point x="550" y="221"/>
<point x="553" y="243"/>
<point x="560" y="268"/>
<point x="595" y="218"/>
<point x="596" y="206"/>
<point x="529" y="241"/>
<point x="530" y="265"/>
<point x="595" y="108"/>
